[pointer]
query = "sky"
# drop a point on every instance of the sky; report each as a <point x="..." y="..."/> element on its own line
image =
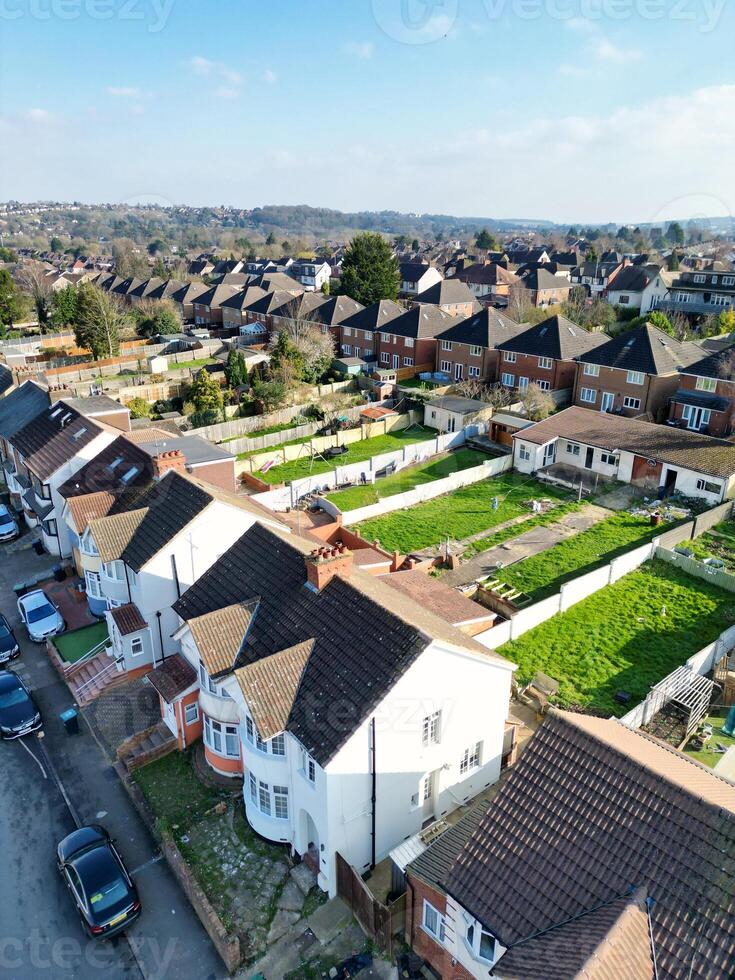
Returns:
<point x="566" y="110"/>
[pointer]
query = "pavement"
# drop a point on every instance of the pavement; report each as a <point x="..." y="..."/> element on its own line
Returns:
<point x="532" y="542"/>
<point x="50" y="785"/>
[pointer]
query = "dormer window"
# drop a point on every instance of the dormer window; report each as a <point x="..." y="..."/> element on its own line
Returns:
<point x="481" y="943"/>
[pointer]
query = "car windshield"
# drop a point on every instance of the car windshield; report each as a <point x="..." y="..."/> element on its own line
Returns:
<point x="108" y="895"/>
<point x="4" y="631"/>
<point x="5" y="520"/>
<point x="8" y="699"/>
<point x="40" y="612"/>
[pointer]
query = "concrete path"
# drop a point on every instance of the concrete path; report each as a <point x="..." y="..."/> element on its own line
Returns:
<point x="532" y="542"/>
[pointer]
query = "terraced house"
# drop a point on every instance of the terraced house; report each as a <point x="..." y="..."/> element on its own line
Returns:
<point x="337" y="698"/>
<point x="358" y="332"/>
<point x="468" y="350"/>
<point x="634" y="373"/>
<point x="408" y="344"/>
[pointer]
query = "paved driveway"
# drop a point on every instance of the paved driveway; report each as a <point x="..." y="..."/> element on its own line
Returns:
<point x="40" y="934"/>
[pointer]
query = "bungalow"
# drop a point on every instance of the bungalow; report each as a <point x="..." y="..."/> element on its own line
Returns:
<point x="451" y="296"/>
<point x="546" y="355"/>
<point x="468" y="350"/>
<point x="603" y="854"/>
<point x="658" y="458"/>
<point x="416" y="277"/>
<point x="306" y="667"/>
<point x="634" y="373"/>
<point x="357" y="332"/>
<point x="705" y="398"/>
<point x="408" y="344"/>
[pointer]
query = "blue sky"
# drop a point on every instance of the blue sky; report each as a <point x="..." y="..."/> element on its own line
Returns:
<point x="572" y="110"/>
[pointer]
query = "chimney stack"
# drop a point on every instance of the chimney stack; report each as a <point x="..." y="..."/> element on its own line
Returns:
<point x="172" y="459"/>
<point x="326" y="562"/>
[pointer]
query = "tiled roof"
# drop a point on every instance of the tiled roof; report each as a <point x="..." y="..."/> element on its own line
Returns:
<point x="487" y="274"/>
<point x="375" y="316"/>
<point x="89" y="507"/>
<point x="701" y="399"/>
<point x="543" y="279"/>
<point x="94" y="405"/>
<point x="433" y="865"/>
<point x="106" y="470"/>
<point x="555" y="337"/>
<point x="53" y="438"/>
<point x="720" y="365"/>
<point x="591" y="809"/>
<point x="270" y="687"/>
<point x="21" y="406"/>
<point x="335" y="309"/>
<point x="220" y="634"/>
<point x="663" y="443"/>
<point x="6" y="378"/>
<point x="172" y="678"/>
<point x="128" y="619"/>
<point x="611" y="942"/>
<point x="245" y="297"/>
<point x="112" y="534"/>
<point x="446" y="602"/>
<point x="486" y="329"/>
<point x="446" y="292"/>
<point x="189" y="292"/>
<point x="421" y="321"/>
<point x="646" y="349"/>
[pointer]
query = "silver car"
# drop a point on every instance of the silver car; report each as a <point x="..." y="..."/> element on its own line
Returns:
<point x="8" y="525"/>
<point x="40" y="615"/>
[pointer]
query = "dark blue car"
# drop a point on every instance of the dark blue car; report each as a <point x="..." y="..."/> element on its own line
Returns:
<point x="18" y="712"/>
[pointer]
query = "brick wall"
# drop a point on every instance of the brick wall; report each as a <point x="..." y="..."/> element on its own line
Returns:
<point x="487" y="362"/>
<point x="220" y="474"/>
<point x="416" y="936"/>
<point x="653" y="394"/>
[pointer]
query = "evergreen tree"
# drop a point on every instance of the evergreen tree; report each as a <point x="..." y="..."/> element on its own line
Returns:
<point x="369" y="269"/>
<point x="11" y="307"/>
<point x="64" y="307"/>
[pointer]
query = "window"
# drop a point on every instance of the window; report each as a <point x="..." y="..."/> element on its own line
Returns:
<point x="253" y="789"/>
<point x="728" y="281"/>
<point x="709" y="487"/>
<point x="346" y="350"/>
<point x="447" y="345"/>
<point x="45" y="491"/>
<point x="481" y="943"/>
<point x="260" y="745"/>
<point x="431" y="729"/>
<point x="433" y="922"/>
<point x="546" y="363"/>
<point x="524" y="452"/>
<point x="427" y="789"/>
<point x="222" y="739"/>
<point x="510" y="357"/>
<point x="50" y="529"/>
<point x="508" y="380"/>
<point x="629" y="402"/>
<point x="385" y="337"/>
<point x="544" y="385"/>
<point x="346" y="331"/>
<point x="475" y="351"/>
<point x="573" y="448"/>
<point x="408" y="342"/>
<point x="624" y="300"/>
<point x="136" y="646"/>
<point x="473" y="372"/>
<point x="700" y="279"/>
<point x="308" y="766"/>
<point x="608" y="459"/>
<point x="636" y="378"/>
<point x="706" y="384"/>
<point x="445" y="366"/>
<point x="93" y="584"/>
<point x="203" y="679"/>
<point x="264" y="798"/>
<point x="592" y="370"/>
<point x="280" y="802"/>
<point x="588" y="395"/>
<point x="127" y="477"/>
<point x="408" y="362"/>
<point x="191" y="713"/>
<point x="470" y="758"/>
<point x="278" y="744"/>
<point x="384" y="357"/>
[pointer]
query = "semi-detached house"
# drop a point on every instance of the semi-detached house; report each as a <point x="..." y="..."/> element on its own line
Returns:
<point x="408" y="343"/>
<point x="357" y="333"/>
<point x="354" y="714"/>
<point x="468" y="350"/>
<point x="705" y="398"/>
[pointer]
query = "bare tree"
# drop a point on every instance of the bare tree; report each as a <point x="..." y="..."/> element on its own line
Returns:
<point x="537" y="403"/>
<point x="34" y="279"/>
<point x="519" y="302"/>
<point x="496" y="395"/>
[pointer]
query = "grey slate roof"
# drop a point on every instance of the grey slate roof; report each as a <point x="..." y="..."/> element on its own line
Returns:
<point x="106" y="470"/>
<point x="6" y="378"/>
<point x="94" y="405"/>
<point x="412" y="271"/>
<point x="445" y="292"/>
<point x="486" y="329"/>
<point x="19" y="407"/>
<point x="720" y="365"/>
<point x="555" y="337"/>
<point x="195" y="449"/>
<point x="701" y="399"/>
<point x="420" y="322"/>
<point x="375" y="316"/>
<point x="433" y="865"/>
<point x="53" y="438"/>
<point x="646" y="349"/>
<point x="543" y="279"/>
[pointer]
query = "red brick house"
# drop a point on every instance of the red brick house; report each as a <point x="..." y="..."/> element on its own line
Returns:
<point x="546" y="355"/>
<point x="545" y="288"/>
<point x="408" y="343"/>
<point x="451" y="296"/>
<point x="489" y="282"/>
<point x="208" y="305"/>
<point x="468" y="350"/>
<point x="358" y="332"/>
<point x="634" y="373"/>
<point x="705" y="398"/>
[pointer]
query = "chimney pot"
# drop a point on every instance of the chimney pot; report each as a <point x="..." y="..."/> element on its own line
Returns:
<point x="323" y="564"/>
<point x="171" y="459"/>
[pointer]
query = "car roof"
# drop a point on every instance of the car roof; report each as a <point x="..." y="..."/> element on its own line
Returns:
<point x="4" y="510"/>
<point x="94" y="866"/>
<point x="9" y="681"/>
<point x="34" y="599"/>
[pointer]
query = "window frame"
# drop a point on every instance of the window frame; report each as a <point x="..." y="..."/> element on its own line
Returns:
<point x="471" y="759"/>
<point x="632" y="376"/>
<point x="438" y="932"/>
<point x="706" y="384"/>
<point x="546" y="363"/>
<point x="431" y="728"/>
<point x="588" y="391"/>
<point x="187" y="707"/>
<point x="591" y="370"/>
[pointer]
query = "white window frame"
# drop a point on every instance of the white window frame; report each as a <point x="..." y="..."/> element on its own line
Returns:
<point x="280" y="802"/>
<point x="510" y="356"/>
<point x="546" y="363"/>
<point x="475" y="350"/>
<point x="473" y="371"/>
<point x="136" y="647"/>
<point x="635" y="378"/>
<point x="408" y="342"/>
<point x="445" y="367"/>
<point x="524" y="452"/>
<point x="346" y="350"/>
<point x="508" y="380"/>
<point x="433" y="922"/>
<point x="706" y="384"/>
<point x="608" y="459"/>
<point x="573" y="449"/>
<point x="431" y="728"/>
<point x="187" y="708"/>
<point x="407" y="361"/>
<point x="92" y="584"/>
<point x="588" y="395"/>
<point x="218" y="732"/>
<point x="709" y="486"/>
<point x="630" y="402"/>
<point x="544" y="385"/>
<point x="471" y="759"/>
<point x="308" y="767"/>
<point x="447" y="345"/>
<point x="592" y="370"/>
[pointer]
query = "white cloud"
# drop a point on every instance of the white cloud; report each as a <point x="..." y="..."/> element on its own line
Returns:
<point x="123" y="92"/>
<point x="270" y="76"/>
<point x="360" y="49"/>
<point x="607" y="51"/>
<point x="37" y="115"/>
<point x="202" y="66"/>
<point x="225" y="92"/>
<point x="230" y="77"/>
<point x="230" y="74"/>
<point x="581" y="25"/>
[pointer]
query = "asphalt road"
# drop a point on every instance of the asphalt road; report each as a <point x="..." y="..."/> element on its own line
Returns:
<point x="69" y="780"/>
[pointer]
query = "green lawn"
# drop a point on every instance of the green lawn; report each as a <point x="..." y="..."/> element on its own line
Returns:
<point x="75" y="644"/>
<point x="359" y="496"/>
<point x="266" y="430"/>
<point x="459" y="514"/>
<point x="627" y="636"/>
<point x="540" y="520"/>
<point x="357" y="453"/>
<point x="174" y="793"/>
<point x="193" y="365"/>
<point x="543" y="574"/>
<point x="706" y="755"/>
<point x="718" y="542"/>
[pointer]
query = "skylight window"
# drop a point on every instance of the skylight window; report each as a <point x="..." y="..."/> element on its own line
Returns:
<point x="55" y="412"/>
<point x="127" y="477"/>
<point x="79" y="433"/>
<point x="116" y="462"/>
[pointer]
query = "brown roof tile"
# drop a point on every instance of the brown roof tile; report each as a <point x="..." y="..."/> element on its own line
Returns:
<point x="173" y="677"/>
<point x="270" y="685"/>
<point x="128" y="619"/>
<point x="219" y="635"/>
<point x="441" y="599"/>
<point x="113" y="534"/>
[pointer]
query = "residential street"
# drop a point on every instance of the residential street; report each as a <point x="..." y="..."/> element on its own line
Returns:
<point x="40" y="933"/>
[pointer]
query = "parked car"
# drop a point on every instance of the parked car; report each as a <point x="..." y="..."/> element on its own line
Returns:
<point x="8" y="525"/>
<point x="40" y="615"/>
<point x="19" y="714"/>
<point x="9" y="648"/>
<point x="98" y="881"/>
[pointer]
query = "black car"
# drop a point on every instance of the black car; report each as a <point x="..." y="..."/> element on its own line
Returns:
<point x="102" y="890"/>
<point x="18" y="712"/>
<point x="9" y="648"/>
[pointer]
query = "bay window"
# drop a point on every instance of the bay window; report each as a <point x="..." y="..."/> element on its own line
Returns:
<point x="221" y="738"/>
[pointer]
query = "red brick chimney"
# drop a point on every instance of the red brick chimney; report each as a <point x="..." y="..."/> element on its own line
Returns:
<point x="324" y="563"/>
<point x="172" y="459"/>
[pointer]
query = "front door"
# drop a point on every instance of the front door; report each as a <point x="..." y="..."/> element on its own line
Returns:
<point x="549" y="453"/>
<point x="428" y="794"/>
<point x="608" y="400"/>
<point x="457" y="372"/>
<point x="396" y="361"/>
<point x="588" y="457"/>
<point x="522" y="384"/>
